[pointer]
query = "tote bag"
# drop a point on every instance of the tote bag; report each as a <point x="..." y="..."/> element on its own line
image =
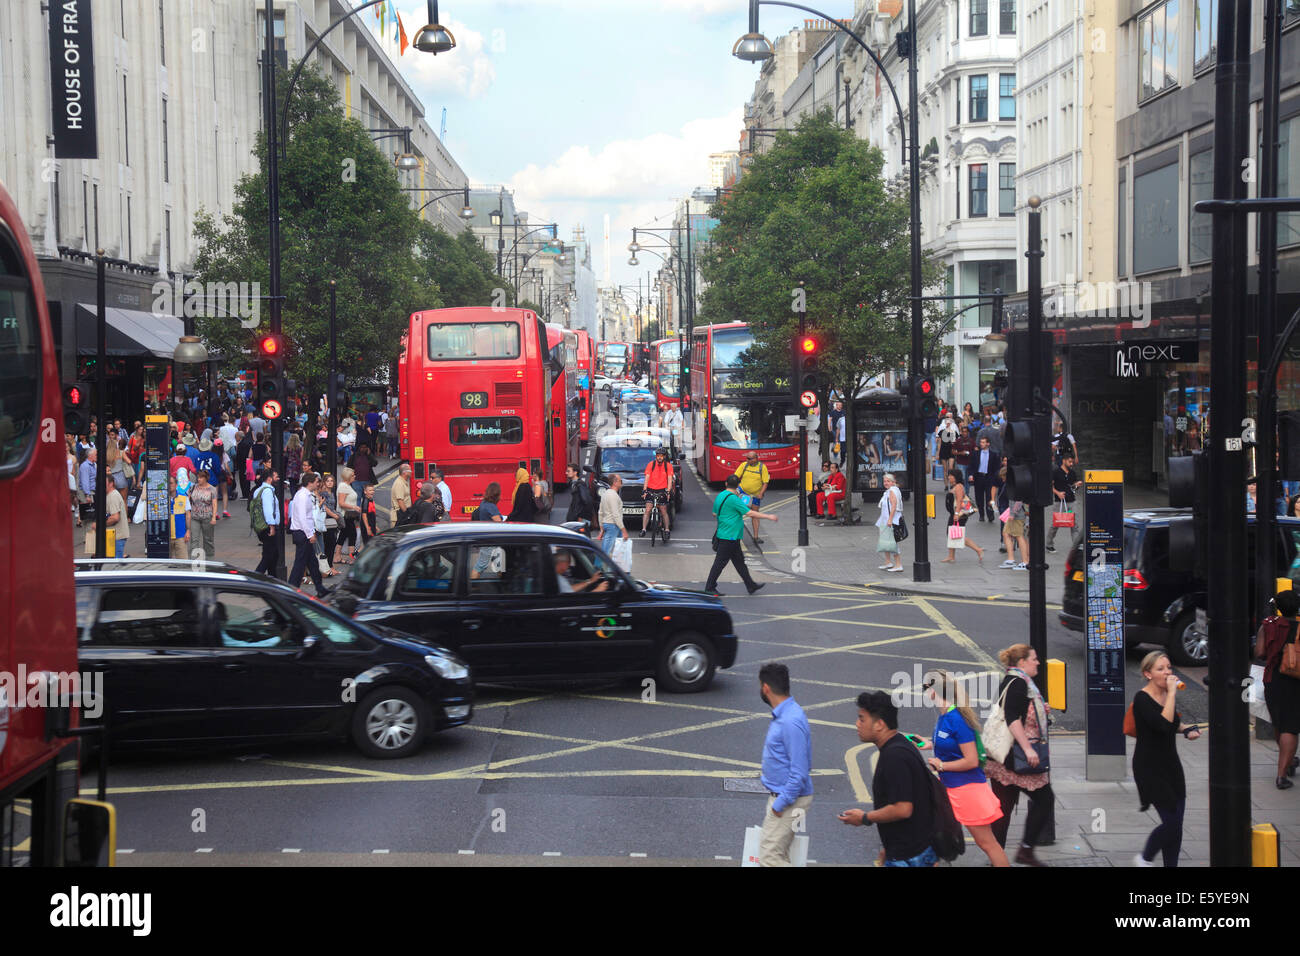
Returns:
<point x="956" y="536"/>
<point x="1063" y="517"/>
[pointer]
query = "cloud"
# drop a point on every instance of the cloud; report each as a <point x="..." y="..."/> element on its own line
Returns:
<point x="467" y="71"/>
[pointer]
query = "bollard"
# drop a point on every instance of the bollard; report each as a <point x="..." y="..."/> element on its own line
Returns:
<point x="1264" y="845"/>
<point x="929" y="506"/>
<point x="1056" y="698"/>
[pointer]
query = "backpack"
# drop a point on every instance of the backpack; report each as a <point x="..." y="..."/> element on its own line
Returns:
<point x="256" y="516"/>
<point x="949" y="839"/>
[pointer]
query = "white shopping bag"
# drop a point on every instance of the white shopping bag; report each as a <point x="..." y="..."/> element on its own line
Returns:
<point x="1255" y="692"/>
<point x="623" y="554"/>
<point x="798" y="849"/>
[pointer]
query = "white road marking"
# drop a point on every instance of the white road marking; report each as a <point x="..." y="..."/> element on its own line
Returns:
<point x="552" y="853"/>
<point x="465" y="852"/>
<point x="126" y="851"/>
<point x="720" y="857"/>
<point x="378" y="851"/>
<point x="639" y="856"/>
<point x="291" y="850"/>
<point x="204" y="849"/>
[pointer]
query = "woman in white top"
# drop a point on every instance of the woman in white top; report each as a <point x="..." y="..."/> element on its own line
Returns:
<point x="891" y="512"/>
<point x="351" y="512"/>
<point x="72" y="479"/>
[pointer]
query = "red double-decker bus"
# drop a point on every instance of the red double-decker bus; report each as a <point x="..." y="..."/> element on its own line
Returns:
<point x="566" y="446"/>
<point x="476" y="399"/>
<point x="586" y="375"/>
<point x="615" y="359"/>
<point x="733" y="410"/>
<point x="666" y="372"/>
<point x="38" y="612"/>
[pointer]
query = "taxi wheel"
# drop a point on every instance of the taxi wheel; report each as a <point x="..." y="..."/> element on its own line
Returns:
<point x="390" y="722"/>
<point x="1186" y="647"/>
<point x="686" y="663"/>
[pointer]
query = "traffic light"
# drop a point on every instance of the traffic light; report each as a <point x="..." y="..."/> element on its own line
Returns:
<point x="807" y="377"/>
<point x="924" y="397"/>
<point x="1028" y="446"/>
<point x="290" y="406"/>
<point x="271" y="391"/>
<point x="76" y="403"/>
<point x="338" y="397"/>
<point x="1288" y="446"/>
<point x="1189" y="483"/>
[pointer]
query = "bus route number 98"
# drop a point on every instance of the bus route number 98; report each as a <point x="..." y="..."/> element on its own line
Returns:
<point x="473" y="399"/>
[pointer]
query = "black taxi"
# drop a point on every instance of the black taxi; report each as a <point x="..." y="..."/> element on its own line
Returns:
<point x="525" y="602"/>
<point x="626" y="452"/>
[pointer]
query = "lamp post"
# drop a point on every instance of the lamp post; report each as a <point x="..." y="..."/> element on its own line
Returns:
<point x="497" y="216"/>
<point x="466" y="212"/>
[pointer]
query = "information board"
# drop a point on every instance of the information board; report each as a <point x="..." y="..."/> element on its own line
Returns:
<point x="1103" y="544"/>
<point x="157" y="453"/>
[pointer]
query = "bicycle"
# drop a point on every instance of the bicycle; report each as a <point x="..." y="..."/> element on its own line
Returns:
<point x="654" y="523"/>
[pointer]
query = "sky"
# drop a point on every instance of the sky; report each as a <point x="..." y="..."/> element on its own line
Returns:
<point x="588" y="108"/>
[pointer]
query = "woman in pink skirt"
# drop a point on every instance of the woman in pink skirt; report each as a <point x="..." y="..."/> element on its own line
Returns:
<point x="957" y="761"/>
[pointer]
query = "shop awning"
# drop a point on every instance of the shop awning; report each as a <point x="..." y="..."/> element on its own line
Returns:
<point x="130" y="332"/>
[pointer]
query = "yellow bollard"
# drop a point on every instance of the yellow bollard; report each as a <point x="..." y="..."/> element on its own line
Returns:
<point x="1283" y="584"/>
<point x="929" y="506"/>
<point x="807" y="482"/>
<point x="1056" y="684"/>
<point x="1264" y="845"/>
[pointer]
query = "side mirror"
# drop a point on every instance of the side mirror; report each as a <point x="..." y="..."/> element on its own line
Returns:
<point x="89" y="833"/>
<point x="311" y="646"/>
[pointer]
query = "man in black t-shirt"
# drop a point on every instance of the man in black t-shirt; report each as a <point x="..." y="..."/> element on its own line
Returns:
<point x="1064" y="482"/>
<point x="901" y="787"/>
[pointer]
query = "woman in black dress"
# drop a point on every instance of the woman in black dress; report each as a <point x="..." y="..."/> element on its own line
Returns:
<point x="957" y="515"/>
<point x="1281" y="692"/>
<point x="524" y="504"/>
<point x="1157" y="771"/>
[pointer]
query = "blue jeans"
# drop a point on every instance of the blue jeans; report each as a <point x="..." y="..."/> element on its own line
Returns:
<point x="926" y="858"/>
<point x="119" y="547"/>
<point x="612" y="533"/>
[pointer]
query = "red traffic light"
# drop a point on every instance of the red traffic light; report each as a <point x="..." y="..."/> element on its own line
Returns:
<point x="73" y="395"/>
<point x="925" y="386"/>
<point x="269" y="345"/>
<point x="807" y="345"/>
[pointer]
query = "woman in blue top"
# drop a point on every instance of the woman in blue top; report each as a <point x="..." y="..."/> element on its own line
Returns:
<point x="957" y="761"/>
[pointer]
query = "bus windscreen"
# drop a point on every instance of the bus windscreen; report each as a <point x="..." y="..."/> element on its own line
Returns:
<point x="750" y="424"/>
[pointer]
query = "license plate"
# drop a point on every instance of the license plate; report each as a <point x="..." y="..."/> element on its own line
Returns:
<point x="467" y="509"/>
<point x="1077" y="576"/>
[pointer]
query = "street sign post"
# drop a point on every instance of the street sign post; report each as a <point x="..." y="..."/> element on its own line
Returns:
<point x="158" y="510"/>
<point x="1103" y="553"/>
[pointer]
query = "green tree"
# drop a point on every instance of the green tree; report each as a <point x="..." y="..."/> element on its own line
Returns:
<point x="817" y="210"/>
<point x="461" y="268"/>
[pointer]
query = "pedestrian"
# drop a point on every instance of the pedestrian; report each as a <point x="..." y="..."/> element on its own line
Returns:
<point x="245" y="467"/>
<point x="841" y="441"/>
<point x="787" y="767"/>
<point x="1063" y="442"/>
<point x="731" y="512"/>
<point x="962" y="450"/>
<point x="179" y="525"/>
<point x="367" y="523"/>
<point x="891" y="513"/>
<point x="400" y="495"/>
<point x="350" y="509"/>
<point x="832" y="491"/>
<point x="523" y="506"/>
<point x="1157" y="771"/>
<point x="302" y="525"/>
<point x="958" y="760"/>
<point x="439" y="482"/>
<point x="87" y="476"/>
<point x="333" y="520"/>
<point x="948" y="435"/>
<point x="754" y="478"/>
<point x="959" y="509"/>
<point x="203" y="512"/>
<point x="74" y="497"/>
<point x="391" y="432"/>
<point x="293" y="461"/>
<point x="428" y="508"/>
<point x="363" y="465"/>
<point x="267" y="501"/>
<point x="984" y="467"/>
<point x="224" y="478"/>
<point x="1013" y="533"/>
<point x="580" y="503"/>
<point x="117" y="518"/>
<point x="489" y="508"/>
<point x="611" y="514"/>
<point x="1281" y="691"/>
<point x="1065" y="481"/>
<point x="903" y="802"/>
<point x="1026" y="715"/>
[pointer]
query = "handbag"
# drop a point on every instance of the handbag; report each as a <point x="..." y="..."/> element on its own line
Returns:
<point x="1020" y="762"/>
<point x="956" y="536"/>
<point x="1290" y="662"/>
<point x="1130" y="722"/>
<point x="1005" y="516"/>
<point x="900" y="529"/>
<point x="1063" y="518"/>
<point x="996" y="734"/>
<point x="715" y="541"/>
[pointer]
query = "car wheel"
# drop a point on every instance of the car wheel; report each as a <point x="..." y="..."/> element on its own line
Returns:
<point x="390" y="722"/>
<point x="1186" y="647"/>
<point x="686" y="663"/>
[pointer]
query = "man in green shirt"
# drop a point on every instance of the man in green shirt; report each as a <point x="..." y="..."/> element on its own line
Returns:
<point x="731" y="513"/>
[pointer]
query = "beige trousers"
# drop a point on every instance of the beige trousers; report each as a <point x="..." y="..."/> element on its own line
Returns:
<point x="778" y="832"/>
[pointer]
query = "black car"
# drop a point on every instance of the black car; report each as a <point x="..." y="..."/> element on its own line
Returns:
<point x="627" y="452"/>
<point x="494" y="593"/>
<point x="1160" y="601"/>
<point x="638" y="411"/>
<point x="221" y="655"/>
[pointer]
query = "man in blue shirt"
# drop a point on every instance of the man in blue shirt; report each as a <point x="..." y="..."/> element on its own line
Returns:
<point x="787" y="767"/>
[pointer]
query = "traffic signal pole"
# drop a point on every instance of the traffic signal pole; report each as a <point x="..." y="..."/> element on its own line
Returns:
<point x="1042" y="450"/>
<point x="273" y="215"/>
<point x="332" y="390"/>
<point x="796" y="385"/>
<point x="915" y="438"/>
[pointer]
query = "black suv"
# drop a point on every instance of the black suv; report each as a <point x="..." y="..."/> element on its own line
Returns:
<point x="524" y="602"/>
<point x="1160" y="602"/>
<point x="193" y="658"/>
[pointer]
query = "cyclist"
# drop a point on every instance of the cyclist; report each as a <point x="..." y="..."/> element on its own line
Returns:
<point x="658" y="484"/>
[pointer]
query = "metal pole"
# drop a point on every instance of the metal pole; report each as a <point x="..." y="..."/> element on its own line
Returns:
<point x="1037" y="536"/>
<point x="101" y="407"/>
<point x="921" y="557"/>
<point x="501" y="227"/>
<point x="1229" y="743"/>
<point x="796" y="386"/>
<point x="331" y="437"/>
<point x="273" y="215"/>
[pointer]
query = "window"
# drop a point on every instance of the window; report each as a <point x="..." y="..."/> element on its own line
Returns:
<point x="579" y="570"/>
<point x="96" y="188"/>
<point x="979" y="18"/>
<point x="167" y="229"/>
<point x="147" y="617"/>
<point x="1200" y="227"/>
<point x="1122" y="245"/>
<point x="129" y="244"/>
<point x="512" y="569"/>
<point x="979" y="189"/>
<point x="1207" y="18"/>
<point x="979" y="99"/>
<point x="250" y="620"/>
<point x="162" y="35"/>
<point x="1007" y="16"/>
<point x="1155" y="219"/>
<point x="20" y="360"/>
<point x="56" y="217"/>
<point x="85" y="218"/>
<point x="1006" y="189"/>
<point x="1158" y="50"/>
<point x="729" y="348"/>
<point x="126" y="136"/>
<point x="165" y="150"/>
<point x="1006" y="96"/>
<point x="1288" y="174"/>
<point x="501" y="430"/>
<point x="759" y="424"/>
<point x="369" y="564"/>
<point x="430" y="574"/>
<point x="1290" y="12"/>
<point x="339" y="633"/>
<point x="480" y="340"/>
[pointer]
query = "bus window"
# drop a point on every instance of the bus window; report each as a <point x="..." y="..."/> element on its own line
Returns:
<point x="20" y="384"/>
<point x="505" y="430"/>
<point x="480" y="340"/>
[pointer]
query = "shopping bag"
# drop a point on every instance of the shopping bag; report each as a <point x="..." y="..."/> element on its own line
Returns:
<point x="1063" y="518"/>
<point x="623" y="554"/>
<point x="956" y="536"/>
<point x="753" y="835"/>
<point x="1005" y="516"/>
<point x="1255" y="692"/>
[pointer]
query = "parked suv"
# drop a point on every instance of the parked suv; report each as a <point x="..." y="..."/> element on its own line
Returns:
<point x="1160" y="602"/>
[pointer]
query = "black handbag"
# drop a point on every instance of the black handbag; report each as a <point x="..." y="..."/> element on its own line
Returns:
<point x="715" y="542"/>
<point x="900" y="529"/>
<point x="1020" y="763"/>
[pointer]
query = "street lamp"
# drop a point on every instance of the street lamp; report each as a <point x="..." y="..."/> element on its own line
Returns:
<point x="433" y="37"/>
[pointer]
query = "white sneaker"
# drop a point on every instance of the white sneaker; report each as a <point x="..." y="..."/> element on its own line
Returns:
<point x="1140" y="861"/>
<point x="885" y="567"/>
<point x="1022" y="566"/>
<point x="896" y="569"/>
<point x="1007" y="564"/>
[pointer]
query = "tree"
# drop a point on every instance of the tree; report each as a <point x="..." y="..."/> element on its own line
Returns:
<point x="344" y="217"/>
<point x="816" y="209"/>
<point x="461" y="268"/>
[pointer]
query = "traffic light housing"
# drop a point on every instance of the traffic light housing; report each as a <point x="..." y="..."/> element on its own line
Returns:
<point x="1189" y="483"/>
<point x="1288" y="446"/>
<point x="807" y="365"/>
<point x="1028" y="447"/>
<point x="925" y="397"/>
<point x="338" y="393"/>
<point x="76" y="408"/>
<point x="272" y="393"/>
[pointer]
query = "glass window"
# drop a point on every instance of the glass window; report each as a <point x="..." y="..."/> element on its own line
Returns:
<point x="1006" y="96"/>
<point x="502" y="430"/>
<point x="979" y="18"/>
<point x="147" y="617"/>
<point x="1155" y="219"/>
<point x="1006" y="189"/>
<point x="1290" y="12"/>
<point x="165" y="150"/>
<point x="979" y="99"/>
<point x="1122" y="244"/>
<point x="1288" y="176"/>
<point x="1158" y="49"/>
<point x="729" y="348"/>
<point x="368" y="566"/>
<point x="979" y="189"/>
<point x="480" y="340"/>
<point x="87" y="601"/>
<point x="513" y="569"/>
<point x="250" y="620"/>
<point x="430" y="574"/>
<point x="1007" y="16"/>
<point x="628" y="461"/>
<point x="1206" y="33"/>
<point x="670" y="379"/>
<point x="338" y="632"/>
<point x="20" y="361"/>
<point x="750" y="425"/>
<point x="1200" y="226"/>
<point x="579" y="570"/>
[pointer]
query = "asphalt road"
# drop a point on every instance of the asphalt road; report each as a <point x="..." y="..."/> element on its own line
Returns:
<point x="601" y="772"/>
